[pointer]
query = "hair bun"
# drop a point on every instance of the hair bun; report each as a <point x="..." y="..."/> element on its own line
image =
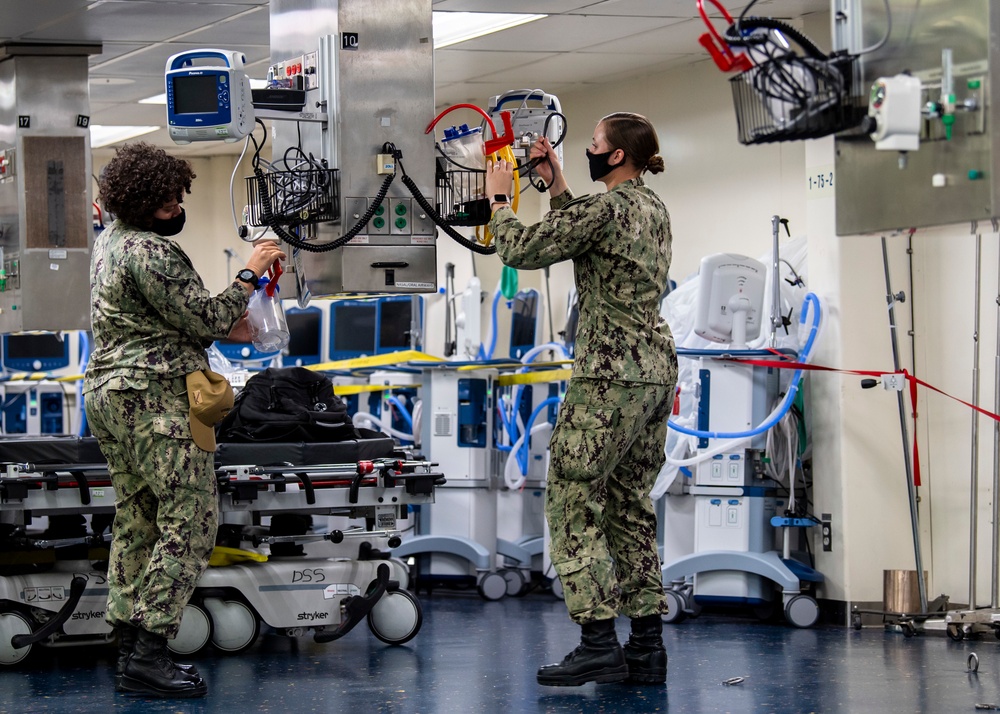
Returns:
<point x="655" y="164"/>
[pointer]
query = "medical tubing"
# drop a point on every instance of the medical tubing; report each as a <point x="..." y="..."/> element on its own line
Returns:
<point x="371" y="418"/>
<point x="403" y="411"/>
<point x="493" y="323"/>
<point x="793" y="387"/>
<point x="84" y="348"/>
<point x="522" y="454"/>
<point x="511" y="466"/>
<point x="232" y="181"/>
<point x="530" y="355"/>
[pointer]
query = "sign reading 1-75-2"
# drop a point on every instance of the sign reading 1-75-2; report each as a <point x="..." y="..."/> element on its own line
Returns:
<point x="819" y="183"/>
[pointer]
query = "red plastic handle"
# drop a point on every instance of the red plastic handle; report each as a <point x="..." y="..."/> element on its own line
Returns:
<point x="273" y="273"/>
<point x="718" y="47"/>
<point x="506" y="139"/>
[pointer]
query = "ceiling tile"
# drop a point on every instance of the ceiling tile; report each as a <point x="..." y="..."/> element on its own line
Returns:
<point x="451" y="65"/>
<point x="135" y="20"/>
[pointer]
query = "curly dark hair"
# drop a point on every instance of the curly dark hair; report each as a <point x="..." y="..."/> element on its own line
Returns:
<point x="140" y="180"/>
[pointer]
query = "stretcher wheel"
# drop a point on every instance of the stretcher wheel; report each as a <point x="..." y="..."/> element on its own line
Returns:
<point x="557" y="588"/>
<point x="11" y="625"/>
<point x="194" y="633"/>
<point x="396" y="617"/>
<point x="235" y="625"/>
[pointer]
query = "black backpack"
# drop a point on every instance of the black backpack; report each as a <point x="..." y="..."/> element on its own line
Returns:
<point x="290" y="404"/>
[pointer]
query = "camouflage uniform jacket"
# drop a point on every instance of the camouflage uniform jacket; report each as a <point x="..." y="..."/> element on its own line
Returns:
<point x="150" y="312"/>
<point x="619" y="242"/>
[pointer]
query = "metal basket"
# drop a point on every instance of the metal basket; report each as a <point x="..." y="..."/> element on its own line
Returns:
<point x="790" y="100"/>
<point x="461" y="197"/>
<point x="295" y="198"/>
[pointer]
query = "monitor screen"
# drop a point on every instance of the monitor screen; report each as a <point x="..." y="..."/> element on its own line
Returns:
<point x="304" y="330"/>
<point x="524" y="316"/>
<point x="353" y="329"/>
<point x="43" y="350"/>
<point x="394" y="324"/>
<point x="195" y="94"/>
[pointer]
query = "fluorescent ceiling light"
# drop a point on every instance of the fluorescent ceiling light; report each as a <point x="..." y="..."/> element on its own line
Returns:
<point x="450" y="28"/>
<point x="105" y="135"/>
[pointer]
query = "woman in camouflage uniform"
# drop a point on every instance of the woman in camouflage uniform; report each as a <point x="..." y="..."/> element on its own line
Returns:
<point x="607" y="447"/>
<point x="152" y="319"/>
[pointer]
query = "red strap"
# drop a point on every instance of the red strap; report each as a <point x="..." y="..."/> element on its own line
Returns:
<point x="911" y="380"/>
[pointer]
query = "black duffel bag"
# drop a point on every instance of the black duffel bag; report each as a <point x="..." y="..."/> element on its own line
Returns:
<point x="288" y="404"/>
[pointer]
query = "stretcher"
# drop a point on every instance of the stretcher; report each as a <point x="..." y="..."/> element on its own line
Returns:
<point x="53" y="586"/>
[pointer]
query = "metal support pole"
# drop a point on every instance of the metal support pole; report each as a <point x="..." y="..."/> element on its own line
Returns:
<point x="911" y="490"/>
<point x="974" y="477"/>
<point x="995" y="569"/>
<point x="775" y="286"/>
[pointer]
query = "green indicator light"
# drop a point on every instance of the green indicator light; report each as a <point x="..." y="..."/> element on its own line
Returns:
<point x="974" y="84"/>
<point x="975" y="174"/>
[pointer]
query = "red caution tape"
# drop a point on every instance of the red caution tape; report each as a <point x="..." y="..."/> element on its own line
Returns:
<point x="912" y="382"/>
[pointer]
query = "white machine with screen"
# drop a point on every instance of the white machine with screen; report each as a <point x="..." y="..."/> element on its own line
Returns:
<point x="208" y="102"/>
<point x="730" y="293"/>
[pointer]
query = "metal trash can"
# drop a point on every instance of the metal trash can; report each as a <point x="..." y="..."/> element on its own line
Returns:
<point x="901" y="591"/>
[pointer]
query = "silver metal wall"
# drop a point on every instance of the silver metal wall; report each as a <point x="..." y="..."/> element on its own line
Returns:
<point x="46" y="228"/>
<point x="376" y="83"/>
<point x="872" y="192"/>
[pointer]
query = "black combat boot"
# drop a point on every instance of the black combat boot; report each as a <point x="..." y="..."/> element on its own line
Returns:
<point x="126" y="642"/>
<point x="644" y="652"/>
<point x="599" y="658"/>
<point x="150" y="671"/>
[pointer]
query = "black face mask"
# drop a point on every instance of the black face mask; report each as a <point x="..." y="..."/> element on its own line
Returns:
<point x="170" y="226"/>
<point x="599" y="166"/>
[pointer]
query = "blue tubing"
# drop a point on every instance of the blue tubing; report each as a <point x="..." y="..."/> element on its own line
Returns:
<point x="522" y="455"/>
<point x="793" y="388"/>
<point x="404" y="412"/>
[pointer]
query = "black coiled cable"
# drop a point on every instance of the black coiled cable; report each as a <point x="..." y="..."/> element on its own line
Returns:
<point x="267" y="213"/>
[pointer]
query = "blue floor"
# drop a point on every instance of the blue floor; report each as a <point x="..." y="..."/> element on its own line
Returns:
<point x="473" y="656"/>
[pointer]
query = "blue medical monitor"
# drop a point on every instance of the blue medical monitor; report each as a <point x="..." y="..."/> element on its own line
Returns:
<point x="523" y="323"/>
<point x="305" y="332"/>
<point x="35" y="352"/>
<point x="395" y="319"/>
<point x="352" y="328"/>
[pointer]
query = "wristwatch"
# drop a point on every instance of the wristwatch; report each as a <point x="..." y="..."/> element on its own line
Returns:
<point x="247" y="276"/>
<point x="500" y="198"/>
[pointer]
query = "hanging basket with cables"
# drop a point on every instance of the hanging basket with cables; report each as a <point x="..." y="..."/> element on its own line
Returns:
<point x="461" y="195"/>
<point x="294" y="198"/>
<point x="789" y="99"/>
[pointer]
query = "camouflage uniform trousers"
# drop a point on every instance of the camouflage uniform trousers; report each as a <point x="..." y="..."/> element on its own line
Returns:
<point x="166" y="498"/>
<point x="606" y="451"/>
